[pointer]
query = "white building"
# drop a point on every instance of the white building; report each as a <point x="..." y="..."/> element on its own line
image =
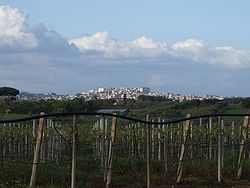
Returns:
<point x="145" y="90"/>
<point x="101" y="89"/>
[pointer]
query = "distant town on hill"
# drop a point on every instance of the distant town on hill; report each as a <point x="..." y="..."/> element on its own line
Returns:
<point x="114" y="93"/>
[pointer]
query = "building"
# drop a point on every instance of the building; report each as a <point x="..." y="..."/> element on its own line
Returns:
<point x="123" y="112"/>
<point x="144" y="90"/>
<point x="101" y="89"/>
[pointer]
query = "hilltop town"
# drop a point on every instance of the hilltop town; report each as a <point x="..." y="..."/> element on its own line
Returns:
<point x="116" y="94"/>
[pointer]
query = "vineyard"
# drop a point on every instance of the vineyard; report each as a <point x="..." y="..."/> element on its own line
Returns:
<point x="110" y="150"/>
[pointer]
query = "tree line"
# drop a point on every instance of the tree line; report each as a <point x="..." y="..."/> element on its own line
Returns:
<point x="156" y="106"/>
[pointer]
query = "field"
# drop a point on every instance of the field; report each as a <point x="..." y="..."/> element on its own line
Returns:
<point x="12" y="116"/>
<point x="124" y="153"/>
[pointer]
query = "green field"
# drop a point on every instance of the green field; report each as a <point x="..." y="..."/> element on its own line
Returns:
<point x="12" y="116"/>
<point x="129" y="166"/>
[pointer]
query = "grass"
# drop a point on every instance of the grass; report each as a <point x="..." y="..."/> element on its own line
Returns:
<point x="126" y="172"/>
<point x="12" y="116"/>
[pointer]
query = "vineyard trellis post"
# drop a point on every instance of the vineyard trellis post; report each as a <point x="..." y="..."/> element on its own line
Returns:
<point x="73" y="167"/>
<point x="165" y="147"/>
<point x="191" y="139"/>
<point x="37" y="152"/>
<point x="219" y="150"/>
<point x="152" y="140"/>
<point x="102" y="142"/>
<point x="232" y="135"/>
<point x="180" y="165"/>
<point x="2" y="154"/>
<point x="34" y="128"/>
<point x="210" y="137"/>
<point x="108" y="173"/>
<point x="106" y="146"/>
<point x="222" y="144"/>
<point x="242" y="145"/>
<point x="148" y="153"/>
<point x="159" y="140"/>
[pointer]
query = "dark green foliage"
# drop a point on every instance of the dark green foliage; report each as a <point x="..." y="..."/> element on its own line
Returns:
<point x="246" y="103"/>
<point x="8" y="91"/>
<point x="145" y="98"/>
<point x="154" y="106"/>
<point x="54" y="106"/>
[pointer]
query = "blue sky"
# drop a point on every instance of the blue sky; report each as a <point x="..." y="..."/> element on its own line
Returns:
<point x="223" y="22"/>
<point x="179" y="46"/>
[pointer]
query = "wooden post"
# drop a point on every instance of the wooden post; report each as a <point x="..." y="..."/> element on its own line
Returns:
<point x="242" y="145"/>
<point x="191" y="138"/>
<point x="219" y="150"/>
<point x="44" y="144"/>
<point x="153" y="140"/>
<point x="210" y="138"/>
<point x="102" y="142"/>
<point x="19" y="153"/>
<point x="132" y="141"/>
<point x="110" y="157"/>
<point x="57" y="143"/>
<point x="26" y="139"/>
<point x="180" y="166"/>
<point x="222" y="144"/>
<point x="148" y="154"/>
<point x="138" y="143"/>
<point x="73" y="167"/>
<point x="201" y="131"/>
<point x="34" y="128"/>
<point x="37" y="152"/>
<point x="97" y="138"/>
<point x="171" y="140"/>
<point x="159" y="140"/>
<point x="165" y="147"/>
<point x="4" y="146"/>
<point x="232" y="135"/>
<point x="2" y="155"/>
<point x="50" y="141"/>
<point x="106" y="146"/>
<point x="93" y="144"/>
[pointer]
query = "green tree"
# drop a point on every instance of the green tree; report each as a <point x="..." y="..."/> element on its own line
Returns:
<point x="8" y="91"/>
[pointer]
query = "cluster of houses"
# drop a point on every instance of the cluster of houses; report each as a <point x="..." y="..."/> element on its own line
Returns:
<point x="115" y="93"/>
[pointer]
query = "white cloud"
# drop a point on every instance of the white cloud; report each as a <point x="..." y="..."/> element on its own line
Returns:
<point x="143" y="47"/>
<point x="101" y="42"/>
<point x="17" y="36"/>
<point x="13" y="29"/>
<point x="143" y="42"/>
<point x="34" y="58"/>
<point x="230" y="57"/>
<point x="193" y="49"/>
<point x="98" y="41"/>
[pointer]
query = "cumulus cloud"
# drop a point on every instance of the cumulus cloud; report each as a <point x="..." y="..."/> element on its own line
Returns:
<point x="143" y="47"/>
<point x="51" y="42"/>
<point x="13" y="29"/>
<point x="17" y="36"/>
<point x="112" y="48"/>
<point x="193" y="49"/>
<point x="37" y="59"/>
<point x="230" y="57"/>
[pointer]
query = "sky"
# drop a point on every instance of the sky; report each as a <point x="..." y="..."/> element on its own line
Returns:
<point x="186" y="47"/>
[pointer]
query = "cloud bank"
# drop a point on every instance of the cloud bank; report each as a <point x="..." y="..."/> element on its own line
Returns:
<point x="143" y="47"/>
<point x="37" y="59"/>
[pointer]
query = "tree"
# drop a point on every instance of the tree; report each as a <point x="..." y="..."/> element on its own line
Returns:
<point x="246" y="103"/>
<point x="8" y="91"/>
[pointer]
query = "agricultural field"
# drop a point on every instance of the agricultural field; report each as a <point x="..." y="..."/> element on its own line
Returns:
<point x="95" y="140"/>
